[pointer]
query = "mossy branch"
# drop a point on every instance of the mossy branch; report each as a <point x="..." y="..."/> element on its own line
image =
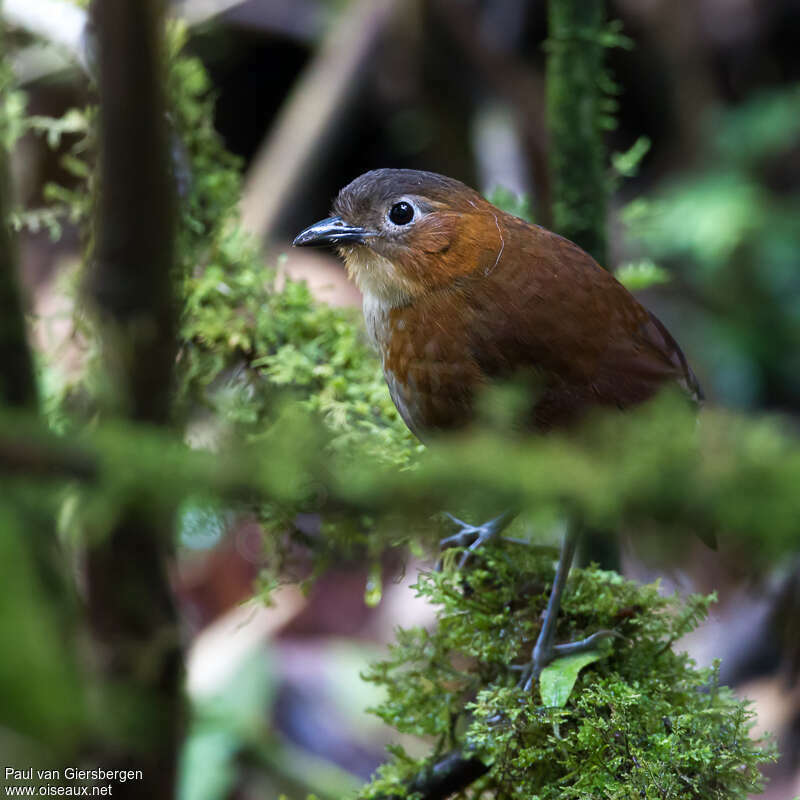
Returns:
<point x="641" y="720"/>
<point x="732" y="475"/>
<point x="575" y="98"/>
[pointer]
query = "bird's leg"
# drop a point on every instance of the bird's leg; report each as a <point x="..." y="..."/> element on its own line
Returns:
<point x="545" y="650"/>
<point x="474" y="536"/>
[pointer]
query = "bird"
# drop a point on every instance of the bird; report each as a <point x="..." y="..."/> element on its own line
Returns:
<point x="459" y="295"/>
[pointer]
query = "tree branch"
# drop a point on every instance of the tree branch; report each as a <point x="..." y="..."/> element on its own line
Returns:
<point x="452" y="773"/>
<point x="17" y="379"/>
<point x="132" y="279"/>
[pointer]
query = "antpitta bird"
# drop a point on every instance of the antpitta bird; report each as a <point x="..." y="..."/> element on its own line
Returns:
<point x="459" y="294"/>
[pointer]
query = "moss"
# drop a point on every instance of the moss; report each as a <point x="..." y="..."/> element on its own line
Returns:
<point x="580" y="107"/>
<point x="642" y="722"/>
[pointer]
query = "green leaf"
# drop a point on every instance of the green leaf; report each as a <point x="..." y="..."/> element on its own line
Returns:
<point x="558" y="678"/>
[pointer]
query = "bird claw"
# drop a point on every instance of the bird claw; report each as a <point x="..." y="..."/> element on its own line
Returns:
<point x="473" y="537"/>
<point x="584" y="645"/>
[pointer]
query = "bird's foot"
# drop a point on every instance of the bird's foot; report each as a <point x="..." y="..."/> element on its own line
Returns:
<point x="545" y="653"/>
<point x="474" y="536"/>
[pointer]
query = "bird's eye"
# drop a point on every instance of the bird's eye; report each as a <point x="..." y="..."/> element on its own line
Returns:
<point x="401" y="213"/>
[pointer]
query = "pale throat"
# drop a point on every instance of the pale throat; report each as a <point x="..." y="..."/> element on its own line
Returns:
<point x="381" y="286"/>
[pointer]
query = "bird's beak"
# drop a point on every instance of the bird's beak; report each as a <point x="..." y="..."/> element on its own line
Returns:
<point x="333" y="230"/>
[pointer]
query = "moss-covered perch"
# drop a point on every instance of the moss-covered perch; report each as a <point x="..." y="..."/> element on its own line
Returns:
<point x="641" y="722"/>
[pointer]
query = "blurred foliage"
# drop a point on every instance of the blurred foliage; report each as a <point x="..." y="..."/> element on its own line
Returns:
<point x="12" y="109"/>
<point x="639" y="275"/>
<point x="728" y="232"/>
<point x="626" y="165"/>
<point x="41" y="695"/>
<point x="652" y="470"/>
<point x="642" y="720"/>
<point x="518" y="205"/>
<point x="231" y="725"/>
<point x="62" y="203"/>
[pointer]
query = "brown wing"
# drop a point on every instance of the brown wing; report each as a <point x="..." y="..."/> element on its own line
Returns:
<point x="553" y="310"/>
<point x="651" y="357"/>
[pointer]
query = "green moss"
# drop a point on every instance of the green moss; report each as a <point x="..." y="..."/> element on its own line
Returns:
<point x="247" y="343"/>
<point x="577" y="112"/>
<point x="642" y="722"/>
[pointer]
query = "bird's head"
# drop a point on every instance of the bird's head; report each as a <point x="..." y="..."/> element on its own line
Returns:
<point x="403" y="233"/>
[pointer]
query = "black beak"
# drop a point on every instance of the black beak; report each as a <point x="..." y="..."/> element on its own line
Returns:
<point x="333" y="230"/>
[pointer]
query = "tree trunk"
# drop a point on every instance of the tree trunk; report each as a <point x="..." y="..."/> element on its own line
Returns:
<point x="131" y="609"/>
